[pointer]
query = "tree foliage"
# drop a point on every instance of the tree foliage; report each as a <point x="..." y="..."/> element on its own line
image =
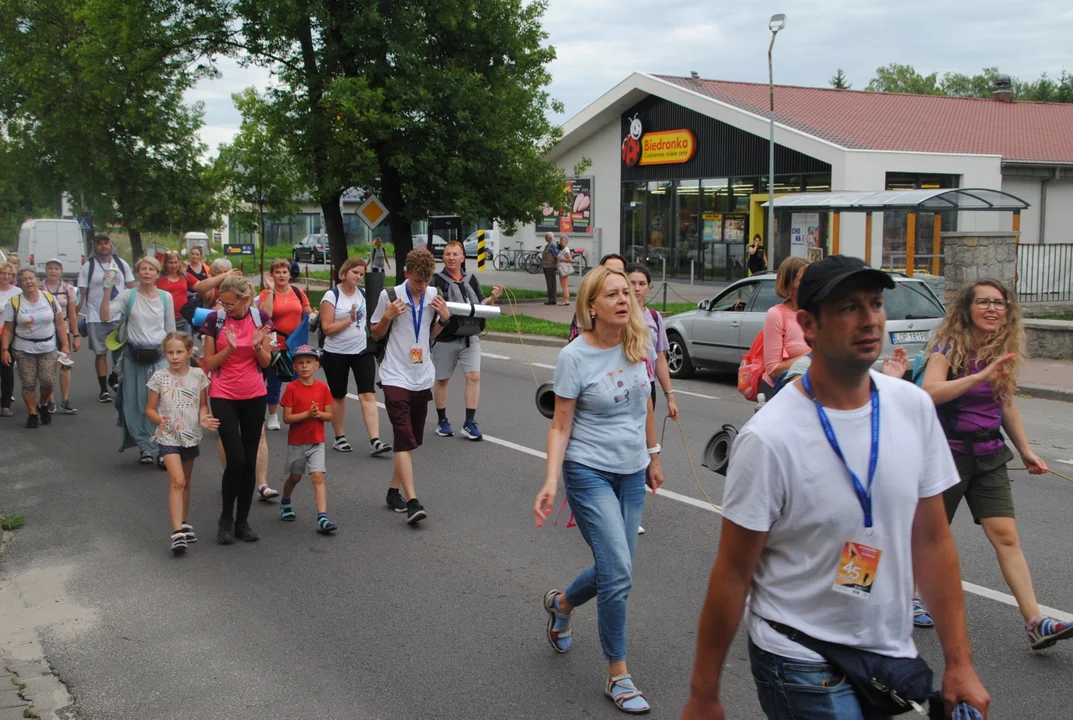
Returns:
<point x="838" y="81"/>
<point x="897" y="78"/>
<point x="435" y="105"/>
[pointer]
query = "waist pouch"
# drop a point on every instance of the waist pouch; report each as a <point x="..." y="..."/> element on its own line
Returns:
<point x="883" y="685"/>
<point x="145" y="356"/>
<point x="972" y="438"/>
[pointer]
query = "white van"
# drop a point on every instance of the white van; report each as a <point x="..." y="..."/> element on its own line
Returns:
<point x="197" y="238"/>
<point x="43" y="240"/>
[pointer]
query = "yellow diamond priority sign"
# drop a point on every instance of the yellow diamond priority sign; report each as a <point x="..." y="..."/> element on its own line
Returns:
<point x="372" y="212"/>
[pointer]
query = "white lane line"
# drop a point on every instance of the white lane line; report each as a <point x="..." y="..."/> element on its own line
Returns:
<point x="686" y="392"/>
<point x="542" y="365"/>
<point x="1066" y="462"/>
<point x="969" y="587"/>
<point x="496" y="357"/>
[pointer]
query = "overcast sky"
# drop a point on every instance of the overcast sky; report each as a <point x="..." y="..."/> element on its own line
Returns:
<point x="600" y="42"/>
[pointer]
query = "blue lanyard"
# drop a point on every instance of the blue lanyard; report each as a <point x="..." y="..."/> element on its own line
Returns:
<point x="864" y="496"/>
<point x="418" y="313"/>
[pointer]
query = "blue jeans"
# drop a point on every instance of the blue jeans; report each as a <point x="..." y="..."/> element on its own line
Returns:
<point x="791" y="689"/>
<point x="274" y="386"/>
<point x="607" y="507"/>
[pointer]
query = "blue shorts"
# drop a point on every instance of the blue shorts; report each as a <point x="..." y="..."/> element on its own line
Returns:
<point x="184" y="453"/>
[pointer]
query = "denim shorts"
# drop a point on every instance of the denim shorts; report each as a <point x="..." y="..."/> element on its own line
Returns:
<point x="184" y="453"/>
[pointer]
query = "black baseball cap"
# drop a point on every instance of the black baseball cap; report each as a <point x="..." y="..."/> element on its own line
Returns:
<point x="823" y="276"/>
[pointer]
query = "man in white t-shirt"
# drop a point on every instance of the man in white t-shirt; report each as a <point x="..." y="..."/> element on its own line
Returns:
<point x="91" y="286"/>
<point x="825" y="546"/>
<point x="414" y="319"/>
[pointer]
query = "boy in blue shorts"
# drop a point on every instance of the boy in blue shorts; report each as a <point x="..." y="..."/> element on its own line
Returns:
<point x="307" y="405"/>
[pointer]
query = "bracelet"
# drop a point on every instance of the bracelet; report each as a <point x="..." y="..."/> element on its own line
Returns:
<point x="668" y="393"/>
<point x="654" y="450"/>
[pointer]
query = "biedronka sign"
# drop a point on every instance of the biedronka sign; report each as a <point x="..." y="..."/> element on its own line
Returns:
<point x="666" y="147"/>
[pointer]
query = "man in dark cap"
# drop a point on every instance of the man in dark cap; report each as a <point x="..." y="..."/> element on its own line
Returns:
<point x="828" y="514"/>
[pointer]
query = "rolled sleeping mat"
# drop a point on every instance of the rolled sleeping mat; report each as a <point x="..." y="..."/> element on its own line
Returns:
<point x="200" y="315"/>
<point x="478" y="311"/>
<point x="717" y="451"/>
<point x="545" y="399"/>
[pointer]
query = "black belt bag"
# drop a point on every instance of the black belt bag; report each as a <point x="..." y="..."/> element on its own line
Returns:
<point x="884" y="685"/>
<point x="972" y="438"/>
<point x="145" y="356"/>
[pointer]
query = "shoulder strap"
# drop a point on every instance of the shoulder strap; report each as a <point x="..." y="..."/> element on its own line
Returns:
<point x="255" y="313"/>
<point x="392" y="296"/>
<point x="301" y="298"/>
<point x="654" y="314"/>
<point x="15" y="303"/>
<point x="51" y="301"/>
<point x="130" y="301"/>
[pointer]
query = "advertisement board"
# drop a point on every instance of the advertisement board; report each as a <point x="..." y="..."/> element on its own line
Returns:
<point x="804" y="233"/>
<point x="575" y="215"/>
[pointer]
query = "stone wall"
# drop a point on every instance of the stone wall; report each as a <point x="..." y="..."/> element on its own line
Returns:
<point x="971" y="256"/>
<point x="1049" y="339"/>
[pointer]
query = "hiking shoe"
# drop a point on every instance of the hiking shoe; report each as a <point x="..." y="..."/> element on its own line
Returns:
<point x="67" y="409"/>
<point x="245" y="533"/>
<point x="395" y="501"/>
<point x="378" y="448"/>
<point x="188" y="530"/>
<point x="341" y="444"/>
<point x="1046" y="631"/>
<point x="178" y="542"/>
<point x="46" y="415"/>
<point x="443" y="428"/>
<point x="471" y="431"/>
<point x="325" y="526"/>
<point x="225" y="530"/>
<point x="104" y="397"/>
<point x="51" y="406"/>
<point x="414" y="512"/>
<point x="272" y="423"/>
<point x="31" y="422"/>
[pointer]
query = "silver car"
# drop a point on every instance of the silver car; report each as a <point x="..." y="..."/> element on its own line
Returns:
<point x="720" y="331"/>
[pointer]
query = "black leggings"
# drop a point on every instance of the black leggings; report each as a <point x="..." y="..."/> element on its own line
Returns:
<point x="240" y="433"/>
<point x="7" y="384"/>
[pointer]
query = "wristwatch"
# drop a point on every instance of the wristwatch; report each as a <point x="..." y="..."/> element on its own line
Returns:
<point x="441" y="322"/>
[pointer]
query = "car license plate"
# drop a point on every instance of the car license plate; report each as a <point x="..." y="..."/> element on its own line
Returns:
<point x="904" y="338"/>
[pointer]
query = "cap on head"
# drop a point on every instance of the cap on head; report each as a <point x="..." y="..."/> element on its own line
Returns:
<point x="305" y="350"/>
<point x="821" y="278"/>
<point x="54" y="261"/>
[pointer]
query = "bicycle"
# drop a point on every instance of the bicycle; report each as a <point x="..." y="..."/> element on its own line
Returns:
<point x="509" y="258"/>
<point x="531" y="261"/>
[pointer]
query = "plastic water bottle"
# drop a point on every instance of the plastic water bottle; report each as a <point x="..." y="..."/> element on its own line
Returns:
<point x="761" y="400"/>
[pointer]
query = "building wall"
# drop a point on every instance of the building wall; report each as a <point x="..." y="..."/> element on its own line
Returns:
<point x="1059" y="227"/>
<point x="1028" y="189"/>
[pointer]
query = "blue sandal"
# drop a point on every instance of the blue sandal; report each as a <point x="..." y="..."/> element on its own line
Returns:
<point x="286" y="512"/>
<point x="325" y="526"/>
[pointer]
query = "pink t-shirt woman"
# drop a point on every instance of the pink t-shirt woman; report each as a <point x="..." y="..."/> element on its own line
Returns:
<point x="240" y="376"/>
<point x="783" y="340"/>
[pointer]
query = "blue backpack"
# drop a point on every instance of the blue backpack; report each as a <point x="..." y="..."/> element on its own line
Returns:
<point x="920" y="363"/>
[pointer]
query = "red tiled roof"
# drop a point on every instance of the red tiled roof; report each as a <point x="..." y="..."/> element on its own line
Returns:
<point x="1026" y="131"/>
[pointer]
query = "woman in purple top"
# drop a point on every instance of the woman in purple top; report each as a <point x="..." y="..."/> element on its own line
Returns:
<point x="641" y="283"/>
<point x="972" y="377"/>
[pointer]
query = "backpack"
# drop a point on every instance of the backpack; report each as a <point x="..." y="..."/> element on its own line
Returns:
<point x="751" y="369"/>
<point x="123" y="269"/>
<point x="15" y="301"/>
<point x="466" y="291"/>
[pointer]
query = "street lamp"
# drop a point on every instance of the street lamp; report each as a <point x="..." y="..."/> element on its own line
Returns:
<point x="777" y="22"/>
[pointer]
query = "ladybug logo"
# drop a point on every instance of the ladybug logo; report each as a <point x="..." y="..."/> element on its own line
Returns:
<point x="631" y="144"/>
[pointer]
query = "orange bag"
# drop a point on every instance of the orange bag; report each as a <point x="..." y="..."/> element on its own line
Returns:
<point x="752" y="369"/>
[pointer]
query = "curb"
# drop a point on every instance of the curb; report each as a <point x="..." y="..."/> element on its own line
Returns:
<point x="535" y="340"/>
<point x="1046" y="392"/>
<point x="35" y="692"/>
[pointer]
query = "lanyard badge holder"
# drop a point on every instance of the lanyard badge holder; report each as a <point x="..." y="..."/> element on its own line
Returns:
<point x="417" y="353"/>
<point x="859" y="563"/>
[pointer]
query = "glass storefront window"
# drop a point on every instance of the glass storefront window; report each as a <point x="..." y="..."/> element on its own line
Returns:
<point x="818" y="183"/>
<point x="687" y="236"/>
<point x="741" y="189"/>
<point x="633" y="221"/>
<point x="714" y="195"/>
<point x="660" y="223"/>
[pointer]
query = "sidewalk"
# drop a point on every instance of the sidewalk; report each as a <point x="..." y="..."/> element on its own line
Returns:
<point x="1047" y="379"/>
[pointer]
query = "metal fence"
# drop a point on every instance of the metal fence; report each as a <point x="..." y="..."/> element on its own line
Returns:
<point x="1045" y="272"/>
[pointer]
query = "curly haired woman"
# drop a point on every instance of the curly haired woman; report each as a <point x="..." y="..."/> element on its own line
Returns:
<point x="972" y="377"/>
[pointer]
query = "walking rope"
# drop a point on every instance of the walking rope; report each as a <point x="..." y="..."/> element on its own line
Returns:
<point x="512" y="302"/>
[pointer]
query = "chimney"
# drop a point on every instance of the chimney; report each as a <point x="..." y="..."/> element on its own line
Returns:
<point x="1001" y="89"/>
<point x="694" y="74"/>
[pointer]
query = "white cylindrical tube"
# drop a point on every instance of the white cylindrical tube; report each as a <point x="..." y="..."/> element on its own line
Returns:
<point x="467" y="310"/>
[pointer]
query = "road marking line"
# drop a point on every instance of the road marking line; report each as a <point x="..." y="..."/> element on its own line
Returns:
<point x="496" y="357"/>
<point x="686" y="392"/>
<point x="1066" y="462"/>
<point x="973" y="588"/>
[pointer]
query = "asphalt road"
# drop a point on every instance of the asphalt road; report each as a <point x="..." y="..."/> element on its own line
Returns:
<point x="442" y="621"/>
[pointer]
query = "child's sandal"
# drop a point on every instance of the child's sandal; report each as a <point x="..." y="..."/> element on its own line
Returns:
<point x="286" y="512"/>
<point x="267" y="493"/>
<point x="627" y="691"/>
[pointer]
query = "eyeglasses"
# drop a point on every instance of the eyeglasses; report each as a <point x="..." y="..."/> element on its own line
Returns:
<point x="232" y="306"/>
<point x="985" y="303"/>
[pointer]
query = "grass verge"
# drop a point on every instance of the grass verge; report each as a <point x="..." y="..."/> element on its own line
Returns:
<point x="1054" y="317"/>
<point x="11" y="522"/>
<point x="529" y="326"/>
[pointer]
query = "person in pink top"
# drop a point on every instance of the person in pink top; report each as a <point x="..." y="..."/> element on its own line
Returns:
<point x="237" y="351"/>
<point x="784" y="343"/>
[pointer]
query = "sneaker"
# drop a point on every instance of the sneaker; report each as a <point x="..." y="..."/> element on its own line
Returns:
<point x="31" y="422"/>
<point x="471" y="431"/>
<point x="395" y="501"/>
<point x="178" y="542"/>
<point x="1045" y="631"/>
<point x="640" y="530"/>
<point x="341" y="444"/>
<point x="225" y="530"/>
<point x="378" y="448"/>
<point x="45" y="413"/>
<point x="245" y="533"/>
<point x="188" y="530"/>
<point x="104" y="397"/>
<point x="325" y="526"/>
<point x="414" y="512"/>
<point x="272" y="423"/>
<point x="5" y="412"/>
<point x="113" y="381"/>
<point x="51" y="406"/>
<point x="67" y="409"/>
<point x="443" y="428"/>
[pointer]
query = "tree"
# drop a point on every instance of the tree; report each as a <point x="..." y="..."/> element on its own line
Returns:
<point x="436" y="105"/>
<point x="895" y="78"/>
<point x="905" y="79"/>
<point x="838" y="81"/>
<point x="256" y="171"/>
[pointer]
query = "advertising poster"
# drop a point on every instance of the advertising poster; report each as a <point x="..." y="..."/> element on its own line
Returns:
<point x="712" y="229"/>
<point x="734" y="229"/>
<point x="575" y="216"/>
<point x="804" y="233"/>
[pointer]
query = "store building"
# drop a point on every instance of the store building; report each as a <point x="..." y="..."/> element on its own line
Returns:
<point x="679" y="168"/>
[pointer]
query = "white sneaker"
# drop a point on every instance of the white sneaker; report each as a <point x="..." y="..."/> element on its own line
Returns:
<point x="272" y="423"/>
<point x="640" y="530"/>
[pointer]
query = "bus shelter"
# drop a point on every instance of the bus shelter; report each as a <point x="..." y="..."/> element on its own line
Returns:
<point x="913" y="202"/>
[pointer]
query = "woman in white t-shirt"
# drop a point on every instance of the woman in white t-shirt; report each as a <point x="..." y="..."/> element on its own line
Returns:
<point x="344" y="320"/>
<point x="8" y="290"/>
<point x="33" y="327"/>
<point x="150" y="314"/>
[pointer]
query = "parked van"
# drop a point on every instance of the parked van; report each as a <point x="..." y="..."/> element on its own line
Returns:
<point x="197" y="238"/>
<point x="44" y="240"/>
